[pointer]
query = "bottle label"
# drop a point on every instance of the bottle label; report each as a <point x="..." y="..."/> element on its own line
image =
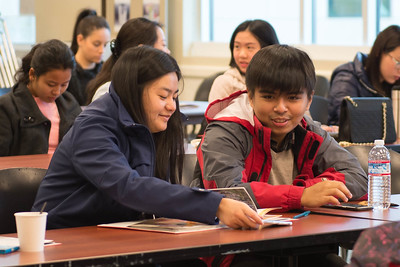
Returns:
<point x="379" y="167"/>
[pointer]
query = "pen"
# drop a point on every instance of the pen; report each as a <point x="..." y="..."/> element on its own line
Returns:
<point x="304" y="214"/>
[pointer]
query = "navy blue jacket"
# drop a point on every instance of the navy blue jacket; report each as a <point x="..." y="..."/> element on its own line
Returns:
<point x="349" y="79"/>
<point x="102" y="172"/>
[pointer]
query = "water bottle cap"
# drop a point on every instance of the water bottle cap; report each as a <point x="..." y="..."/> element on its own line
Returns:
<point x="379" y="142"/>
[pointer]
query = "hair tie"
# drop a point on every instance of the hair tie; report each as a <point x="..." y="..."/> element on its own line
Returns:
<point x="114" y="48"/>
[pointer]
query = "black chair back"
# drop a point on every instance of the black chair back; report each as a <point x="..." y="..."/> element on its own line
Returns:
<point x="18" y="188"/>
<point x="319" y="109"/>
<point x="202" y="95"/>
<point x="204" y="88"/>
<point x="322" y="86"/>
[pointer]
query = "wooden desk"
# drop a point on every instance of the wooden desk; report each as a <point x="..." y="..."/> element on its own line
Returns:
<point x="36" y="161"/>
<point x="95" y="246"/>
<point x="392" y="214"/>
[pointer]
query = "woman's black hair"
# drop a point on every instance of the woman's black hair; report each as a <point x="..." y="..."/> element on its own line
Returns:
<point x="386" y="41"/>
<point x="290" y="70"/>
<point x="86" y="22"/>
<point x="136" y="68"/>
<point x="134" y="32"/>
<point x="262" y="31"/>
<point x="45" y="57"/>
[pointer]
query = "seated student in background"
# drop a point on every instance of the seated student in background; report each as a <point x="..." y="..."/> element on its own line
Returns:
<point x="249" y="37"/>
<point x="123" y="157"/>
<point x="372" y="75"/>
<point x="90" y="37"/>
<point x="38" y="112"/>
<point x="134" y="32"/>
<point x="261" y="140"/>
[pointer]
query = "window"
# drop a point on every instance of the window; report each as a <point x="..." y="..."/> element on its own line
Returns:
<point x="321" y="22"/>
<point x="20" y="20"/>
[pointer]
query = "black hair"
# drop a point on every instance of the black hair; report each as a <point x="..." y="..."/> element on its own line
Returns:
<point x="386" y="41"/>
<point x="45" y="57"/>
<point x="280" y="67"/>
<point x="86" y="22"/>
<point x="134" y="32"/>
<point x="134" y="70"/>
<point x="262" y="31"/>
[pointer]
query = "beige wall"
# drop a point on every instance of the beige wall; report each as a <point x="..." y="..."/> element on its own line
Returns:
<point x="56" y="18"/>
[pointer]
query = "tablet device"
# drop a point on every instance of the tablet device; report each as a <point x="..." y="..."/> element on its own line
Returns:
<point x="348" y="206"/>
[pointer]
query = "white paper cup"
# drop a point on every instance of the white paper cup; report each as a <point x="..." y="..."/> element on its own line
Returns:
<point x="31" y="229"/>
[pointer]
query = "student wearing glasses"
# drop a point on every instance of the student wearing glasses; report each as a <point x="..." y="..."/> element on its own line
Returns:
<point x="372" y="75"/>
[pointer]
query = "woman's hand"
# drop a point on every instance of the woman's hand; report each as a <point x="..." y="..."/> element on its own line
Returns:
<point x="326" y="192"/>
<point x="236" y="214"/>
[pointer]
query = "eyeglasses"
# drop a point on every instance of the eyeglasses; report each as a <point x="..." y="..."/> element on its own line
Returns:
<point x="396" y="62"/>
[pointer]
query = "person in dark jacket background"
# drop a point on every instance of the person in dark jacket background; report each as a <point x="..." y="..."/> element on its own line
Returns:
<point x="90" y="37"/>
<point x="38" y="112"/>
<point x="372" y="75"/>
<point x="123" y="157"/>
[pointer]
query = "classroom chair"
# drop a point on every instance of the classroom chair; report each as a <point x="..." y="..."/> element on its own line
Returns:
<point x="322" y="86"/>
<point x="18" y="188"/>
<point x="204" y="88"/>
<point x="319" y="109"/>
<point x="202" y="95"/>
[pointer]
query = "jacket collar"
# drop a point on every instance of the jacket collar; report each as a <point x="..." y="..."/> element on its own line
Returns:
<point x="235" y="108"/>
<point x="123" y="116"/>
<point x="26" y="104"/>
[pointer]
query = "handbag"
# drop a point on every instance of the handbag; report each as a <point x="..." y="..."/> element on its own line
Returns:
<point x="364" y="119"/>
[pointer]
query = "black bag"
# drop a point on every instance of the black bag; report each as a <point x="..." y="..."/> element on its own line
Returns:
<point x="364" y="119"/>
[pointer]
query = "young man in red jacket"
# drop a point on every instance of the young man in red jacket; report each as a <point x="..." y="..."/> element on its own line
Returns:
<point x="260" y="139"/>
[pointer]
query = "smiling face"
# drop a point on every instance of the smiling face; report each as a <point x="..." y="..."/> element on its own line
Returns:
<point x="91" y="47"/>
<point x="389" y="69"/>
<point x="159" y="101"/>
<point x="50" y="85"/>
<point x="244" y="48"/>
<point x="281" y="112"/>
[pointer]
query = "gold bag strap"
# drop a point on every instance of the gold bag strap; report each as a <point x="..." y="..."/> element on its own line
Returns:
<point x="384" y="108"/>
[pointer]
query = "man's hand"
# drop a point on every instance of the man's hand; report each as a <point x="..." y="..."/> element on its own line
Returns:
<point x="326" y="192"/>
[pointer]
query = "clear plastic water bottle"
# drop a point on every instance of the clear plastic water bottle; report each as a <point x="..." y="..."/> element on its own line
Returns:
<point x="379" y="176"/>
